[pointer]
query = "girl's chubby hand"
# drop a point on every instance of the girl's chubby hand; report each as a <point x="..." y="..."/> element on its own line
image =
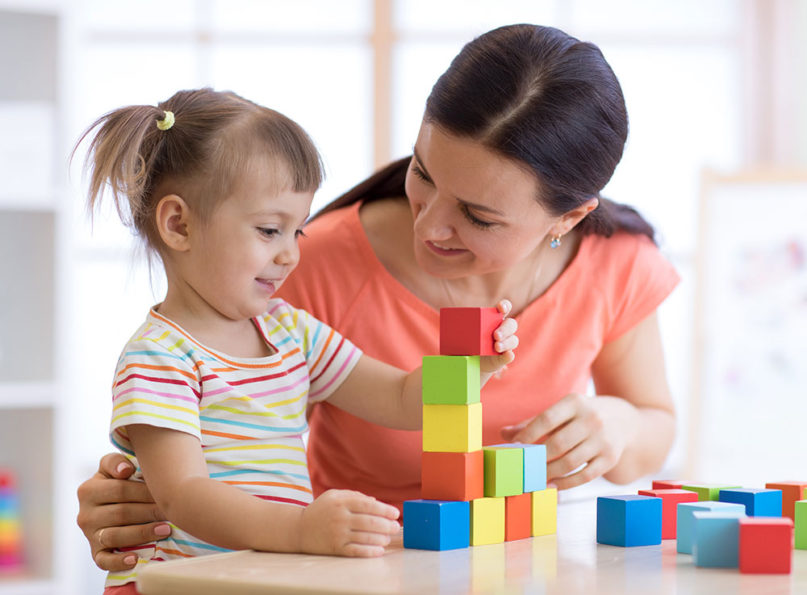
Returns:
<point x="347" y="523"/>
<point x="505" y="341"/>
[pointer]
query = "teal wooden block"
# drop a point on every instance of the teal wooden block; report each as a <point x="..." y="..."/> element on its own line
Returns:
<point x="504" y="471"/>
<point x="686" y="520"/>
<point x="716" y="542"/>
<point x="451" y="379"/>
<point x="534" y="465"/>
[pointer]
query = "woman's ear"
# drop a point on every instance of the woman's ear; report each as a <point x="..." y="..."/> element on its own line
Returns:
<point x="172" y="217"/>
<point x="568" y="220"/>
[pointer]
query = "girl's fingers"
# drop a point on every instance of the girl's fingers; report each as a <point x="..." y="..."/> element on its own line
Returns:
<point x="362" y="504"/>
<point x="355" y="550"/>
<point x="115" y="562"/>
<point x="367" y="523"/>
<point x="370" y="538"/>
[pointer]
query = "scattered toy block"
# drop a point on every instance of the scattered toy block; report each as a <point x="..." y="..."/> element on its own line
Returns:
<point x="436" y="525"/>
<point x="468" y="331"/>
<point x="765" y="545"/>
<point x="452" y="475"/>
<point x="686" y="521"/>
<point x="517" y="517"/>
<point x="670" y="499"/>
<point x="504" y="471"/>
<point x="707" y="491"/>
<point x="800" y="522"/>
<point x="629" y="520"/>
<point x="716" y="542"/>
<point x="791" y="492"/>
<point x="544" y="512"/>
<point x="757" y="502"/>
<point x="487" y="521"/>
<point x="668" y="484"/>
<point x="452" y="428"/>
<point x="451" y="379"/>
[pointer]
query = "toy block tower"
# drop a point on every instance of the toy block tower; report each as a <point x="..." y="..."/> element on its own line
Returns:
<point x="493" y="487"/>
<point x="10" y="532"/>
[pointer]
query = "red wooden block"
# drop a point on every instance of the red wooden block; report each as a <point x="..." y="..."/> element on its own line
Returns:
<point x="791" y="491"/>
<point x="766" y="545"/>
<point x="668" y="484"/>
<point x="452" y="475"/>
<point x="670" y="499"/>
<point x="468" y="331"/>
<point x="517" y="516"/>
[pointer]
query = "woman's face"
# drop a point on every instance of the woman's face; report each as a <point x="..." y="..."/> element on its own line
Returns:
<point x="475" y="212"/>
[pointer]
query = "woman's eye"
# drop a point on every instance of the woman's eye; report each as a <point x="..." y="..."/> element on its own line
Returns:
<point x="420" y="173"/>
<point x="476" y="220"/>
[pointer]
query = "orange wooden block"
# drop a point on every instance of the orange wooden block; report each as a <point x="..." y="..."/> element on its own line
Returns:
<point x="452" y="475"/>
<point x="517" y="516"/>
<point x="791" y="491"/>
<point x="668" y="484"/>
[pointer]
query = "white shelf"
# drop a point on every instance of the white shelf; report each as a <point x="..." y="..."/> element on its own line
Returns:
<point x="17" y="395"/>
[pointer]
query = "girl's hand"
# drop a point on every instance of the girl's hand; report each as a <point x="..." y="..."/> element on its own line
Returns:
<point x="579" y="431"/>
<point x="347" y="523"/>
<point x="505" y="342"/>
<point x="117" y="513"/>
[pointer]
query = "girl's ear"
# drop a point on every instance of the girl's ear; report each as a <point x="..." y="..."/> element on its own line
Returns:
<point x="568" y="220"/>
<point x="172" y="218"/>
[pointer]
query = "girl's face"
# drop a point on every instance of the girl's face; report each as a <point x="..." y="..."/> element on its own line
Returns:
<point x="248" y="247"/>
<point x="475" y="212"/>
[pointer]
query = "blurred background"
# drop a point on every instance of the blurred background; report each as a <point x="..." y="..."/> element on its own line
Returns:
<point x="716" y="160"/>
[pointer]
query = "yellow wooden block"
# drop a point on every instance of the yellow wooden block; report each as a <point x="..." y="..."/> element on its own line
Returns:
<point x="544" y="512"/>
<point x="452" y="428"/>
<point x="487" y="521"/>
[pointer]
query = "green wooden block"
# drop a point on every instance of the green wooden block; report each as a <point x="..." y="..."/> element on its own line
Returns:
<point x="504" y="471"/>
<point x="708" y="491"/>
<point x="801" y="523"/>
<point x="450" y="379"/>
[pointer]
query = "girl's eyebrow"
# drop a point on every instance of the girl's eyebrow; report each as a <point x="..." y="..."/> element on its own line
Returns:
<point x="468" y="203"/>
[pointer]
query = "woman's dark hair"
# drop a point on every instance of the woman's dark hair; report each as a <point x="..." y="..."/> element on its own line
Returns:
<point x="543" y="99"/>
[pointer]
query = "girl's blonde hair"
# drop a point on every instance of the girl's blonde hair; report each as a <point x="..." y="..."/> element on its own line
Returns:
<point x="215" y="139"/>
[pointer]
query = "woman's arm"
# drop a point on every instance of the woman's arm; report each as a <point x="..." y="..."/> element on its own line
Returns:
<point x="623" y="433"/>
<point x="382" y="394"/>
<point x="339" y="522"/>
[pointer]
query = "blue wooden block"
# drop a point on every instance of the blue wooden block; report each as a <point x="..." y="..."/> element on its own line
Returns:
<point x="629" y="520"/>
<point x="534" y="465"/>
<point x="716" y="540"/>
<point x="436" y="524"/>
<point x="758" y="502"/>
<point x="686" y="521"/>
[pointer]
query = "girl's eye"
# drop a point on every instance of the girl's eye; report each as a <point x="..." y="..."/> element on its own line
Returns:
<point x="268" y="231"/>
<point x="300" y="234"/>
<point x="476" y="220"/>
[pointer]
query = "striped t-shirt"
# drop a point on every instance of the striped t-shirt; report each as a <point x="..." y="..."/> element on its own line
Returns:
<point x="248" y="413"/>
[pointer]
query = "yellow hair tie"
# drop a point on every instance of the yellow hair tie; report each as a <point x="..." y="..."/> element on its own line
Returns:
<point x="167" y="121"/>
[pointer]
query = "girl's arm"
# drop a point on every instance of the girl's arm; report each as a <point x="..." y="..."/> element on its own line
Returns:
<point x="338" y="522"/>
<point x="382" y="394"/>
<point x="623" y="433"/>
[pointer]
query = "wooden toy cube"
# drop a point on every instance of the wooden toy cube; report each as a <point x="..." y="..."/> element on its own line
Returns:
<point x="452" y="475"/>
<point x="791" y="492"/>
<point x="517" y="517"/>
<point x="668" y="484"/>
<point x="629" y="520"/>
<point x="670" y="499"/>
<point x="707" y="491"/>
<point x="504" y="471"/>
<point x="436" y="525"/>
<point x="716" y="542"/>
<point x="686" y="520"/>
<point x="544" y="512"/>
<point x="757" y="502"/>
<point x="534" y="465"/>
<point x="468" y="331"/>
<point x="487" y="521"/>
<point x="765" y="545"/>
<point x="452" y="428"/>
<point x="450" y="379"/>
<point x="800" y="516"/>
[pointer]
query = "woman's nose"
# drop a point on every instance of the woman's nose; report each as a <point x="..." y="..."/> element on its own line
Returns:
<point x="432" y="221"/>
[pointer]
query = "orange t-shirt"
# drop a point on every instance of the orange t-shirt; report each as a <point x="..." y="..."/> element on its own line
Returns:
<point x="611" y="285"/>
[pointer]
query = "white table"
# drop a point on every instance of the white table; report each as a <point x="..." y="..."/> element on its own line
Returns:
<point x="569" y="562"/>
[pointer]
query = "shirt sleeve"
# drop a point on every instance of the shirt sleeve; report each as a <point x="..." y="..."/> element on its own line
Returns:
<point x="155" y="387"/>
<point x="644" y="281"/>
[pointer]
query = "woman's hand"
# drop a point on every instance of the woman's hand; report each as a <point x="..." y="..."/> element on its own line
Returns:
<point x="347" y="523"/>
<point x="585" y="437"/>
<point x="115" y="513"/>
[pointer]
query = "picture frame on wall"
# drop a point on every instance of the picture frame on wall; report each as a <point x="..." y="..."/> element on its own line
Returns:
<point x="749" y="407"/>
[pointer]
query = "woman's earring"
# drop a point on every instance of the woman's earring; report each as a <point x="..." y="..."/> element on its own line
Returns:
<point x="555" y="243"/>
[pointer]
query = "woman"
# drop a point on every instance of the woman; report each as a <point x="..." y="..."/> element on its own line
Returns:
<point x="501" y="199"/>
